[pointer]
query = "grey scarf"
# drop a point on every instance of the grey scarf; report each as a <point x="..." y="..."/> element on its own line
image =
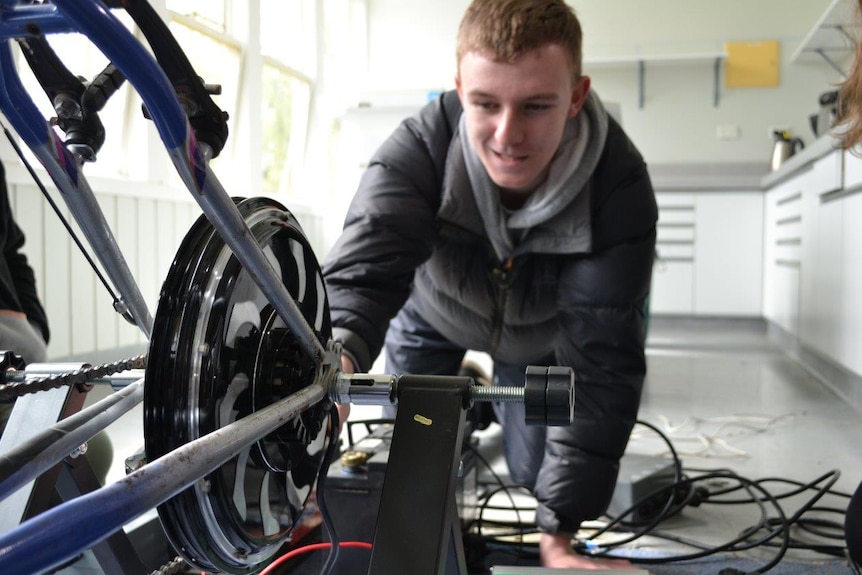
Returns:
<point x="571" y="167"/>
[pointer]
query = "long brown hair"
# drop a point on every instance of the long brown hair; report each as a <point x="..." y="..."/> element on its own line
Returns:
<point x="850" y="114"/>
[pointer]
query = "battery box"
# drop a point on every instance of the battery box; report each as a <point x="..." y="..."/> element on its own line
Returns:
<point x="354" y="485"/>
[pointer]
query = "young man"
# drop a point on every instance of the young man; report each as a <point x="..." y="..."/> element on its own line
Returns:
<point x="512" y="217"/>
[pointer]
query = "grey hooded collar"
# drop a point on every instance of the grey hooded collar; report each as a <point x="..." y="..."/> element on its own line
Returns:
<point x="556" y="217"/>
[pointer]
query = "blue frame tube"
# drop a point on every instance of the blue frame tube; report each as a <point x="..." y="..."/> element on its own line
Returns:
<point x="55" y="536"/>
<point x="17" y="20"/>
<point x="94" y="20"/>
<point x="64" y="170"/>
<point x="23" y="464"/>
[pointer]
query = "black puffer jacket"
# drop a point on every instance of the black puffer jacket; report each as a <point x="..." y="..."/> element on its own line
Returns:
<point x="410" y="232"/>
<point x="17" y="280"/>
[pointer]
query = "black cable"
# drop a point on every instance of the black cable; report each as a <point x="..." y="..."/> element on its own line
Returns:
<point x="328" y="525"/>
<point x="732" y="545"/>
<point x="502" y="485"/>
<point x="771" y="532"/>
<point x="668" y="505"/>
<point x="817" y="496"/>
<point x="801" y="487"/>
<point x="56" y="209"/>
<point x="783" y="523"/>
<point x="368" y="429"/>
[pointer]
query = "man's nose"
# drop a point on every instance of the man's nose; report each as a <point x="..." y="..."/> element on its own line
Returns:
<point x="510" y="130"/>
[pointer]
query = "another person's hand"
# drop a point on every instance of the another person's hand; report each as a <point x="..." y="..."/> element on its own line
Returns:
<point x="556" y="552"/>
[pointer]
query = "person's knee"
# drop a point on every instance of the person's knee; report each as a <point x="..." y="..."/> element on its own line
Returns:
<point x="100" y="454"/>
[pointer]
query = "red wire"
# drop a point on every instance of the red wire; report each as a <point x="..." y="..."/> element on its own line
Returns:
<point x="313" y="547"/>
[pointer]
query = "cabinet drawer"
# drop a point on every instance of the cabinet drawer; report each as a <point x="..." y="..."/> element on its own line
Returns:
<point x="676" y="215"/>
<point x="827" y="174"/>
<point x="672" y="251"/>
<point x="675" y="234"/>
<point x="852" y="169"/>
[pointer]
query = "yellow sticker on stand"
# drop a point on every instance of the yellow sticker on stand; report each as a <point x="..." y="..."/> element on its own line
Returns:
<point x="421" y="419"/>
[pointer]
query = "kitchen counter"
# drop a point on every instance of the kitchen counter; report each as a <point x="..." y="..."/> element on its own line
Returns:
<point x="811" y="153"/>
<point x="739" y="176"/>
<point x="726" y="177"/>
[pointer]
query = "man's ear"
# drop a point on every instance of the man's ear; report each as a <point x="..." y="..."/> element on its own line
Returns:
<point x="579" y="95"/>
<point x="458" y="87"/>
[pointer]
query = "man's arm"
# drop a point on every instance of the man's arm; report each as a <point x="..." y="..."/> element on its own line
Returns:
<point x="390" y="229"/>
<point x="602" y="337"/>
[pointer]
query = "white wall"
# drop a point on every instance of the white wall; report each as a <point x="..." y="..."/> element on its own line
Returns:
<point x="411" y="47"/>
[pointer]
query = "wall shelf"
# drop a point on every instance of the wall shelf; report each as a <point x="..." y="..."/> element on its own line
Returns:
<point x="642" y="60"/>
<point x="831" y="39"/>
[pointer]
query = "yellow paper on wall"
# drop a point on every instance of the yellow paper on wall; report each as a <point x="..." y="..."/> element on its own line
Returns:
<point x="751" y="64"/>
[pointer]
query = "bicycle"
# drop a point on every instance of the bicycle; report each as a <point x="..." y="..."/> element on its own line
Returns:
<point x="263" y="281"/>
<point x="241" y="371"/>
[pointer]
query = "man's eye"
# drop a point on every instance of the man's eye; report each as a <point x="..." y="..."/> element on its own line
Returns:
<point x="537" y="107"/>
<point x="485" y="105"/>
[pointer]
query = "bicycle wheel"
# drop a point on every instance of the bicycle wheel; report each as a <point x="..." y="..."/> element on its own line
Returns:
<point x="219" y="352"/>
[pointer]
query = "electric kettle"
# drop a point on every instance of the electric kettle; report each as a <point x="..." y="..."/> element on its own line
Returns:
<point x="785" y="146"/>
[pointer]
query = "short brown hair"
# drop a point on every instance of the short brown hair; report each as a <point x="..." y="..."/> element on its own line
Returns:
<point x="509" y="28"/>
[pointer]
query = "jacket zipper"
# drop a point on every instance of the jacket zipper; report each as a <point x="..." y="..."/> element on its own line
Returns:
<point x="500" y="276"/>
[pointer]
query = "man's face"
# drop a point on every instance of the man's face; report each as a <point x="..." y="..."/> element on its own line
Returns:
<point x="516" y="112"/>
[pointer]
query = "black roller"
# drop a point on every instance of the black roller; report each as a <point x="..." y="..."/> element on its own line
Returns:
<point x="535" y="385"/>
<point x="549" y="395"/>
<point x="219" y="352"/>
<point x="560" y="396"/>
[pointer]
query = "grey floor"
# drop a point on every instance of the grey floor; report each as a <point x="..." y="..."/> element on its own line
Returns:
<point x="728" y="398"/>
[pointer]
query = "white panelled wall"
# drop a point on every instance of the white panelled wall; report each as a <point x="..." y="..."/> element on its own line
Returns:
<point x="148" y="223"/>
<point x="145" y="205"/>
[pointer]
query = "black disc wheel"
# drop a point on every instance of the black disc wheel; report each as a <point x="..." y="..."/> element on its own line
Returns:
<point x="219" y="352"/>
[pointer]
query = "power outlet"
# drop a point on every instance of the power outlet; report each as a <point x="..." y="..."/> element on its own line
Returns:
<point x="727" y="132"/>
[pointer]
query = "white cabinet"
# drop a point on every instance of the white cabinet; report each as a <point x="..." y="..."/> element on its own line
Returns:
<point x="812" y="284"/>
<point x="728" y="252"/>
<point x="673" y="272"/>
<point x="782" y="254"/>
<point x="709" y="248"/>
<point x="850" y="332"/>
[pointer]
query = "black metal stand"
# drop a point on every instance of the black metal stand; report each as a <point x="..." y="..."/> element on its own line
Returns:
<point x="417" y="526"/>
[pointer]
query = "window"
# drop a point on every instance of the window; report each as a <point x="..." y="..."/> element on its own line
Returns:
<point x="209" y="13"/>
<point x="265" y="63"/>
<point x="83" y="59"/>
<point x="288" y="40"/>
<point x="215" y="58"/>
<point x="285" y="107"/>
<point x="288" y="34"/>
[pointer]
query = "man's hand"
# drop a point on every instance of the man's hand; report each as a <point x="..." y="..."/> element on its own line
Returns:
<point x="556" y="552"/>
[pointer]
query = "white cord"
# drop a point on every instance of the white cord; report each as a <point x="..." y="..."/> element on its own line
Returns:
<point x="714" y="444"/>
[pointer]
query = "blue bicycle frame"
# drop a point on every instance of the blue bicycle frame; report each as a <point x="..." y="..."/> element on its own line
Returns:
<point x="49" y="539"/>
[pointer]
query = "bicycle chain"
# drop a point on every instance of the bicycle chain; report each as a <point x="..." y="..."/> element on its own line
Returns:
<point x="9" y="391"/>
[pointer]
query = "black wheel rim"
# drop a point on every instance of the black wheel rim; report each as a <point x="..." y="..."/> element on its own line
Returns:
<point x="218" y="353"/>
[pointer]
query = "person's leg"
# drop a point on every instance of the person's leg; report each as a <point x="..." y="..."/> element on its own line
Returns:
<point x="523" y="445"/>
<point x="413" y="346"/>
